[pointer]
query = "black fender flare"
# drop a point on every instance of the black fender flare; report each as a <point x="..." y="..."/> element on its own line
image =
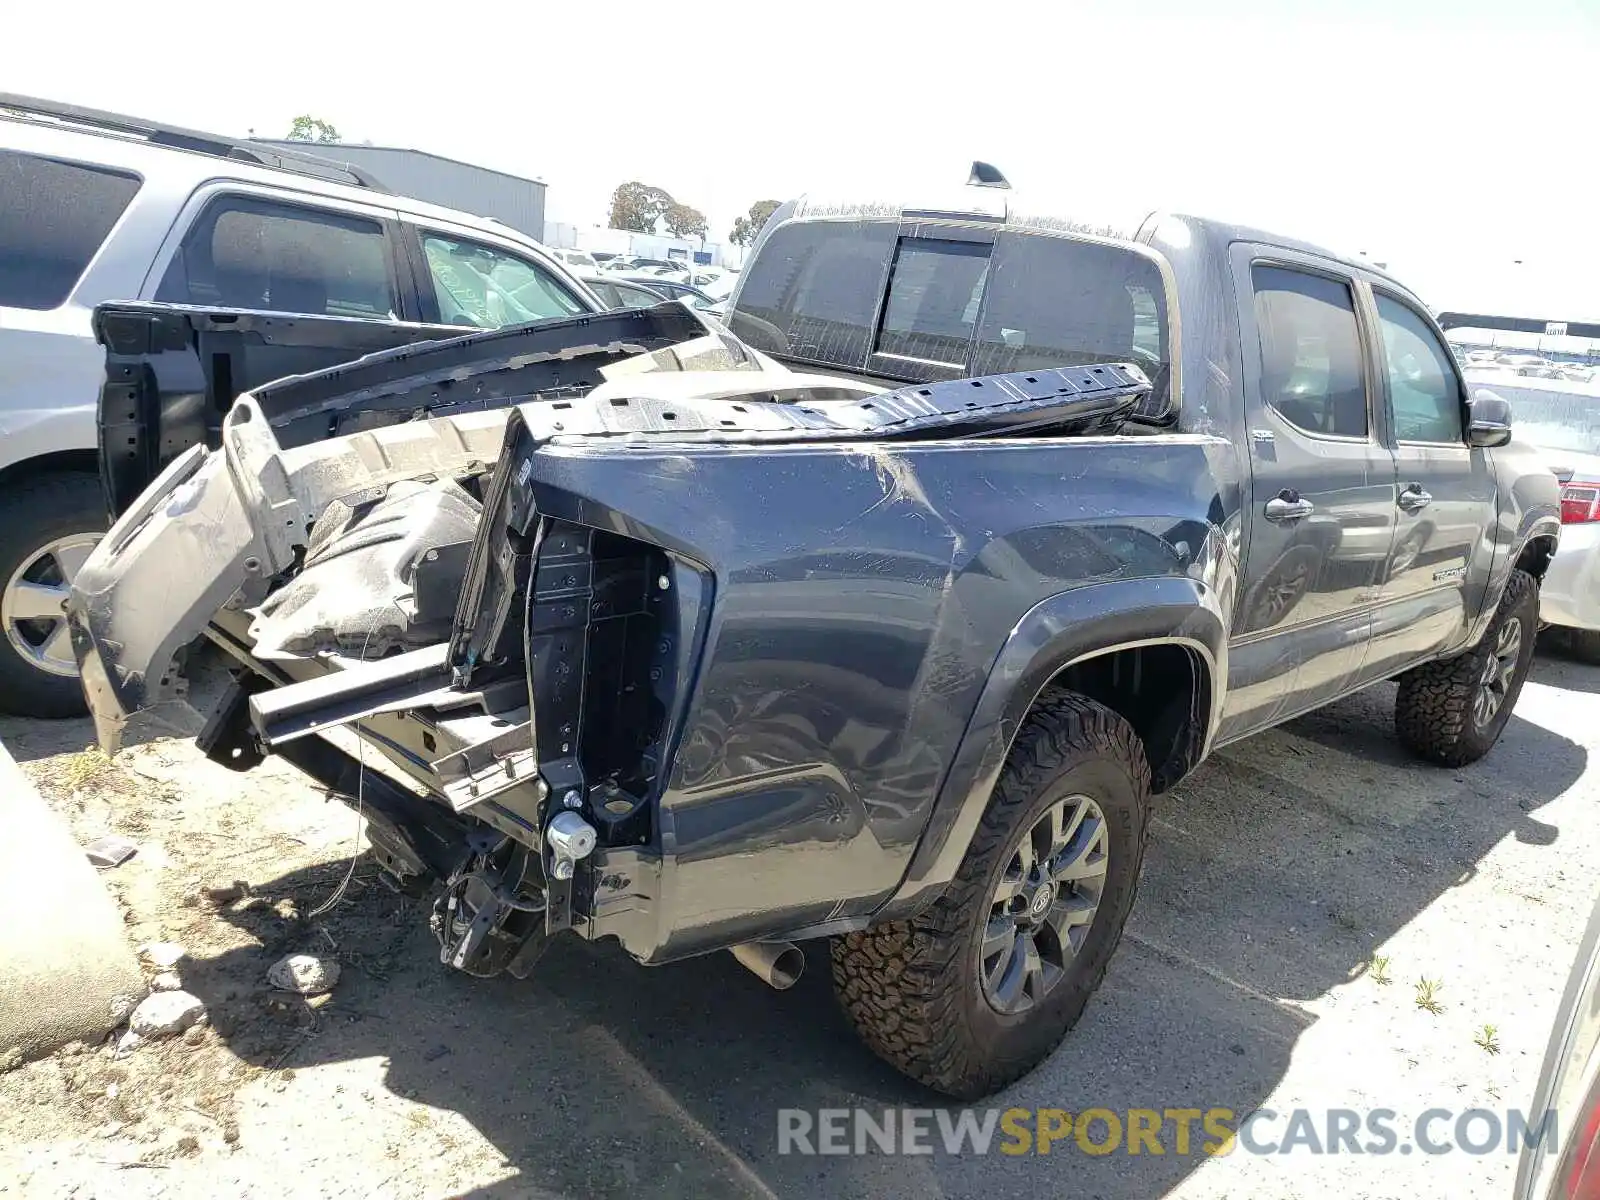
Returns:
<point x="1060" y="630"/>
<point x="1542" y="526"/>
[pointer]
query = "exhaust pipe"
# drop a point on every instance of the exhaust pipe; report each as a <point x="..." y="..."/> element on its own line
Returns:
<point x="777" y="964"/>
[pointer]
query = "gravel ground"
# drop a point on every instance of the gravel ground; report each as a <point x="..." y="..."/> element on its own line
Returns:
<point x="1287" y="880"/>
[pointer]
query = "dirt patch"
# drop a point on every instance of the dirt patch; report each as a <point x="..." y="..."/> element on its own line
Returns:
<point x="1286" y="881"/>
<point x="215" y="850"/>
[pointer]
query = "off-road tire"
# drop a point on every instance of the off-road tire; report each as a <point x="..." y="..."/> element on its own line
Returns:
<point x="1433" y="713"/>
<point x="34" y="513"/>
<point x="912" y="987"/>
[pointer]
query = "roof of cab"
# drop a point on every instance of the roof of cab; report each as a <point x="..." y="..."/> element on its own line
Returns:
<point x="996" y="207"/>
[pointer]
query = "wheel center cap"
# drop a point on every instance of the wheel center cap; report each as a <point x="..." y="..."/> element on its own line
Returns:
<point x="1042" y="899"/>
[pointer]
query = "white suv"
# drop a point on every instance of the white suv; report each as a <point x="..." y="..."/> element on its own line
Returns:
<point x="100" y="207"/>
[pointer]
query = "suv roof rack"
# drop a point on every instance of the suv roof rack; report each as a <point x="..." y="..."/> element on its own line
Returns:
<point x="240" y="149"/>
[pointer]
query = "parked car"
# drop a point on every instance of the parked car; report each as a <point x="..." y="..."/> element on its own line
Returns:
<point x="580" y="261"/>
<point x="649" y="266"/>
<point x="674" y="290"/>
<point x="880" y="618"/>
<point x="1556" y="405"/>
<point x="1564" y="1163"/>
<point x="717" y="284"/>
<point x="622" y="291"/>
<point x="104" y="207"/>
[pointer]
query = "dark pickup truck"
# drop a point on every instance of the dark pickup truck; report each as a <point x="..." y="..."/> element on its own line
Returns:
<point x="878" y="615"/>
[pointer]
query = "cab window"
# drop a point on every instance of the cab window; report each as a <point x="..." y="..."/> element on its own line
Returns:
<point x="1424" y="396"/>
<point x="1311" y="367"/>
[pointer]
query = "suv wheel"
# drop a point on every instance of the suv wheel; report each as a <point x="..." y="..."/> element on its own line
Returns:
<point x="978" y="989"/>
<point x="48" y="525"/>
<point x="1452" y="711"/>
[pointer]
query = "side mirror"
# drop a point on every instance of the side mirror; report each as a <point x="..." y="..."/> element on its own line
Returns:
<point x="1488" y="420"/>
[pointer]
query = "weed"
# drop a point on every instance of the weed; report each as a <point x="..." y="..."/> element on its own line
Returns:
<point x="1486" y="1040"/>
<point x="1427" y="996"/>
<point x="85" y="767"/>
<point x="1380" y="969"/>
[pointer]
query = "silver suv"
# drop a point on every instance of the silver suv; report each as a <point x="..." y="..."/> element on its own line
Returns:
<point x="103" y="207"/>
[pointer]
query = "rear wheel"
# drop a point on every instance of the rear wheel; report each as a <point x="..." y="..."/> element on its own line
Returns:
<point x="977" y="990"/>
<point x="1453" y="711"/>
<point x="48" y="526"/>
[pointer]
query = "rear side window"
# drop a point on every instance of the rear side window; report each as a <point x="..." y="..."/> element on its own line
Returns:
<point x="247" y="253"/>
<point x="53" y="217"/>
<point x="1311" y="370"/>
<point x="812" y="292"/>
<point x="1060" y="302"/>
<point x="629" y="296"/>
<point x="935" y="291"/>
<point x="1021" y="301"/>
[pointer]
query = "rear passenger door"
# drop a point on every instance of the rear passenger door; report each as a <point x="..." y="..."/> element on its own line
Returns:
<point x="1445" y="505"/>
<point x="1322" y="513"/>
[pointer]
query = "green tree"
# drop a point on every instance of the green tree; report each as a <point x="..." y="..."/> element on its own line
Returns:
<point x="749" y="226"/>
<point x="637" y="207"/>
<point x="307" y="128"/>
<point x="686" y="222"/>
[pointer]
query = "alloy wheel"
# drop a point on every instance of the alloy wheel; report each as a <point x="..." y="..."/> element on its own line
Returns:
<point x="1498" y="673"/>
<point x="32" y="604"/>
<point x="1044" y="905"/>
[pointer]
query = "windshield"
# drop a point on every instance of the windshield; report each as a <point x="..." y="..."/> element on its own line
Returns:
<point x="1552" y="414"/>
<point x="860" y="296"/>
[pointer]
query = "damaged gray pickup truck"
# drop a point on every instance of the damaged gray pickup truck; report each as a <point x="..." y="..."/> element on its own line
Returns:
<point x="879" y="615"/>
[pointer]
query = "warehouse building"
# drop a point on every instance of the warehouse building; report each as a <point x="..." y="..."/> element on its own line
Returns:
<point x="516" y="201"/>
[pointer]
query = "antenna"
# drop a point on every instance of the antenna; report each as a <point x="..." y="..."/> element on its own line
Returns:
<point x="986" y="175"/>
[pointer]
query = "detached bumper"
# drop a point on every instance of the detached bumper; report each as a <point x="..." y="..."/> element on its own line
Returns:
<point x="1570" y="594"/>
<point x="152" y="585"/>
<point x="216" y="527"/>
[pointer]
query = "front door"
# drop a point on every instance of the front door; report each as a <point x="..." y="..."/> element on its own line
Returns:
<point x="1321" y="520"/>
<point x="1442" y="552"/>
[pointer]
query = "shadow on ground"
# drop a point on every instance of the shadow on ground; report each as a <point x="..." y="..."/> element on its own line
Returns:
<point x="29" y="740"/>
<point x="1559" y="665"/>
<point x="599" y="1078"/>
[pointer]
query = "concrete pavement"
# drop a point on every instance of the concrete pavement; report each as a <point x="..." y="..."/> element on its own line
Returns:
<point x="64" y="959"/>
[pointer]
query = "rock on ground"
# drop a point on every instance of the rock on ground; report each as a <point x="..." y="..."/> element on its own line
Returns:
<point x="308" y="974"/>
<point x="164" y="955"/>
<point x="167" y="981"/>
<point x="162" y="1013"/>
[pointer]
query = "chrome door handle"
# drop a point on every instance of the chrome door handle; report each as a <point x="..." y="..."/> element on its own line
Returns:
<point x="1414" y="499"/>
<point x="1288" y="506"/>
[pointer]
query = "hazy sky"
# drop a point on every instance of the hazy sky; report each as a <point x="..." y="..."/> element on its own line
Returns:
<point x="1448" y="137"/>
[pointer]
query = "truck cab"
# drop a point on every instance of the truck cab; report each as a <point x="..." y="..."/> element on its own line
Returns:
<point x="1367" y="516"/>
